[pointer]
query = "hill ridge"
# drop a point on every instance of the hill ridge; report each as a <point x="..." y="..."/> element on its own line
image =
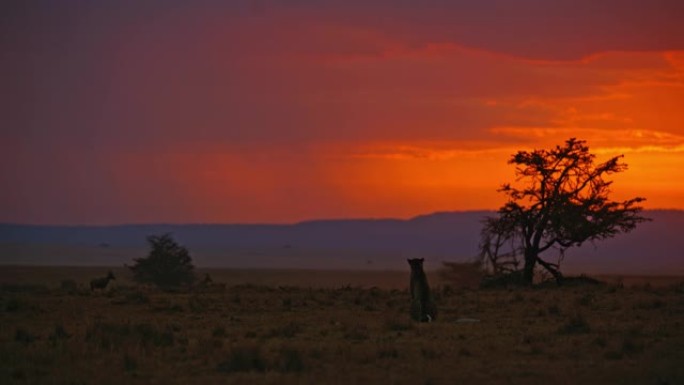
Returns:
<point x="332" y="243"/>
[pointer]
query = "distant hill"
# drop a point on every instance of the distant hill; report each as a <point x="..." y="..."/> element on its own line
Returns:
<point x="654" y="248"/>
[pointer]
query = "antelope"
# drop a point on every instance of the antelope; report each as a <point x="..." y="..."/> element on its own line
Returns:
<point x="101" y="283"/>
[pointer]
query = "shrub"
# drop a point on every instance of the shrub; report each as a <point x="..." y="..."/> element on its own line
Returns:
<point x="24" y="288"/>
<point x="115" y="335"/>
<point x="130" y="364"/>
<point x="24" y="337"/>
<point x="243" y="359"/>
<point x="290" y="360"/>
<point x="59" y="334"/>
<point x="288" y="330"/>
<point x="398" y="325"/>
<point x="15" y="304"/>
<point x="168" y="265"/>
<point x="388" y="352"/>
<point x="357" y="332"/>
<point x="462" y="274"/>
<point x="250" y="358"/>
<point x="219" y="332"/>
<point x="575" y="325"/>
<point x="69" y="286"/>
<point x="136" y="297"/>
<point x="631" y="347"/>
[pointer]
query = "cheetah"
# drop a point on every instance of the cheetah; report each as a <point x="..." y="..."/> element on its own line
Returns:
<point x="423" y="307"/>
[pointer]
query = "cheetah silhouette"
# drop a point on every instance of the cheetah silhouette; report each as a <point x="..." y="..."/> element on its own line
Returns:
<point x="423" y="307"/>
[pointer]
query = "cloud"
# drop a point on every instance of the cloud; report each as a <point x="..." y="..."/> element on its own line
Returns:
<point x="362" y="108"/>
<point x="323" y="72"/>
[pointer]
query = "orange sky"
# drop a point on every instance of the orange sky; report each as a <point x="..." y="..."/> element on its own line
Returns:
<point x="199" y="114"/>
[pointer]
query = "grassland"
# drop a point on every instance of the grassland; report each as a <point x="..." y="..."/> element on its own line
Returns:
<point x="275" y="327"/>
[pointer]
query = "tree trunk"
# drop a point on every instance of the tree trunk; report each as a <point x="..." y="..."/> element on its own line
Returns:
<point x="556" y="274"/>
<point x="528" y="270"/>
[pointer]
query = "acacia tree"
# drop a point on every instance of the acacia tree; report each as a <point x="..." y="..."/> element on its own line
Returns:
<point x="168" y="264"/>
<point x="562" y="202"/>
<point x="498" y="252"/>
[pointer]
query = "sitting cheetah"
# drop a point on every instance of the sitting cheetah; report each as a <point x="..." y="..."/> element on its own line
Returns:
<point x="423" y="308"/>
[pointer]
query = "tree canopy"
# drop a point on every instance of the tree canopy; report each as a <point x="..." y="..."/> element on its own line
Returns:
<point x="560" y="200"/>
<point x="168" y="265"/>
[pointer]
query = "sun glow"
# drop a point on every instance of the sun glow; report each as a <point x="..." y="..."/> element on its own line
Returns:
<point x="290" y="114"/>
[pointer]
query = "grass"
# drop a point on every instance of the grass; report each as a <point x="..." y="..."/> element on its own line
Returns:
<point x="287" y="334"/>
<point x="243" y="359"/>
<point x="576" y="324"/>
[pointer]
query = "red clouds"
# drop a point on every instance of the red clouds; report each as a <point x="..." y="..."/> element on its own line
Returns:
<point x="208" y="113"/>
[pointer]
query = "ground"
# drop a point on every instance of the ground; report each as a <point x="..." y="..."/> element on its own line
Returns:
<point x="275" y="327"/>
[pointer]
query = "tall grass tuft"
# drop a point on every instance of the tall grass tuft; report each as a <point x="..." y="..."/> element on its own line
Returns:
<point x="577" y="324"/>
<point x="243" y="359"/>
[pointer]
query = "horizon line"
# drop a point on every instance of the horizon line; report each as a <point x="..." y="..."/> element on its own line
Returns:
<point x="293" y="223"/>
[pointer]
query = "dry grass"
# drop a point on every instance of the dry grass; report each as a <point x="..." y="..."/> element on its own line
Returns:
<point x="280" y="333"/>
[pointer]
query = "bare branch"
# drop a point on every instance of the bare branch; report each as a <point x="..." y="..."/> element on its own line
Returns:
<point x="561" y="199"/>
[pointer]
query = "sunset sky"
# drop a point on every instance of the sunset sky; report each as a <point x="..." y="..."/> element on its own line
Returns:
<point x="279" y="111"/>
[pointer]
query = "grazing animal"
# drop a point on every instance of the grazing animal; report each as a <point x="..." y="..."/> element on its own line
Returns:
<point x="101" y="283"/>
<point x="423" y="308"/>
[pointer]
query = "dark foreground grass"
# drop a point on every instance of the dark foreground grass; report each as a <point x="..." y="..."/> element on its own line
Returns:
<point x="64" y="334"/>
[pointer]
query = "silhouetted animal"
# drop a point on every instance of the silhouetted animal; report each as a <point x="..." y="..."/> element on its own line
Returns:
<point x="101" y="283"/>
<point x="423" y="308"/>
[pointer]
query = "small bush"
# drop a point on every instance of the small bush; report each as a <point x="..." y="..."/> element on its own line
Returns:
<point x="651" y="305"/>
<point x="462" y="274"/>
<point x="243" y="359"/>
<point x="581" y="280"/>
<point x="356" y="333"/>
<point x="679" y="287"/>
<point x="465" y="352"/>
<point x="24" y="288"/>
<point x="59" y="334"/>
<point x="128" y="295"/>
<point x="600" y="342"/>
<point x="288" y="330"/>
<point x="388" y="352"/>
<point x="168" y="265"/>
<point x="110" y="335"/>
<point x="14" y="304"/>
<point x="575" y="325"/>
<point x="198" y="304"/>
<point x="290" y="361"/>
<point x="130" y="364"/>
<point x="68" y="286"/>
<point x="430" y="354"/>
<point x="398" y="325"/>
<point x="631" y="347"/>
<point x="168" y="306"/>
<point x="613" y="355"/>
<point x="503" y="281"/>
<point x="24" y="337"/>
<point x="149" y="336"/>
<point x="287" y="303"/>
<point x="137" y="297"/>
<point x="586" y="299"/>
<point x="250" y="358"/>
<point x="553" y="309"/>
<point x="107" y="335"/>
<point x="19" y="305"/>
<point x="250" y="334"/>
<point x="219" y="332"/>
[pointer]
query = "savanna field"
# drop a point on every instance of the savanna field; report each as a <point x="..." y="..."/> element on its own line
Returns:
<point x="309" y="327"/>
